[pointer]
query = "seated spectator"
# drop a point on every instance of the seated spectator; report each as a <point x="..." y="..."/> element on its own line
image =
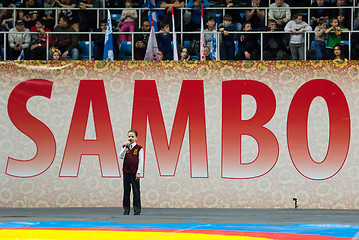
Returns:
<point x="207" y="53"/>
<point x="227" y="43"/>
<point x="28" y="16"/>
<point x="339" y="53"/>
<point x="167" y="16"/>
<point x="7" y="16"/>
<point x="88" y="17"/>
<point x="165" y="40"/>
<point x="128" y="18"/>
<point x="161" y="55"/>
<point x="56" y="54"/>
<point x="208" y="32"/>
<point x="49" y="14"/>
<point x="196" y="6"/>
<point x="19" y="39"/>
<point x="249" y="48"/>
<point x="320" y="12"/>
<point x="297" y="27"/>
<point x="255" y="15"/>
<point x="99" y="42"/>
<point x="141" y="41"/>
<point x="273" y="44"/>
<point x="66" y="43"/>
<point x="184" y="56"/>
<point x="72" y="15"/>
<point x="320" y="37"/>
<point x="38" y="43"/>
<point x="343" y="14"/>
<point x="279" y="14"/>
<point x="236" y="16"/>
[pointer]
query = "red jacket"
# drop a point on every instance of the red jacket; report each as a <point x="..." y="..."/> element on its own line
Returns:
<point x="38" y="38"/>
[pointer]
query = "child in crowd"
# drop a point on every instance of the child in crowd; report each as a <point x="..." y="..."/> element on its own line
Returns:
<point x="249" y="48"/>
<point x="334" y="36"/>
<point x="297" y="26"/>
<point x="56" y="54"/>
<point x="227" y="43"/>
<point x="207" y="53"/>
<point x="128" y="19"/>
<point x="184" y="56"/>
<point x="320" y="36"/>
<point x="338" y="53"/>
<point x="165" y="39"/>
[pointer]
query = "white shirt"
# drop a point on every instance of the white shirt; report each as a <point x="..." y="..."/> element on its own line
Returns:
<point x="140" y="157"/>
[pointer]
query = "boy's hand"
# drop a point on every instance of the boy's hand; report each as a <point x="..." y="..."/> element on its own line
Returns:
<point x="225" y="33"/>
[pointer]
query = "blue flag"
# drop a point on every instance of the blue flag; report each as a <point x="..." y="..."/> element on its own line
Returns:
<point x="108" y="50"/>
<point x="214" y="53"/>
<point x="152" y="15"/>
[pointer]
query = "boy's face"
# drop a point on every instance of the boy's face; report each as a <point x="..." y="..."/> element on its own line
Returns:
<point x="227" y="23"/>
<point x="323" y="25"/>
<point x="341" y="2"/>
<point x="166" y="29"/>
<point x="334" y="23"/>
<point x="247" y="27"/>
<point x="103" y="26"/>
<point x="272" y="25"/>
<point x="128" y="4"/>
<point x="211" y="23"/>
<point x="279" y="2"/>
<point x="298" y="20"/>
<point x="132" y="137"/>
<point x="38" y="25"/>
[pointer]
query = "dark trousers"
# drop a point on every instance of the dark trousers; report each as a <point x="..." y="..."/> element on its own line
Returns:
<point x="129" y="180"/>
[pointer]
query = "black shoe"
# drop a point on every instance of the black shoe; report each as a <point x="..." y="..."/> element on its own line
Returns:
<point x="136" y="213"/>
<point x="126" y="213"/>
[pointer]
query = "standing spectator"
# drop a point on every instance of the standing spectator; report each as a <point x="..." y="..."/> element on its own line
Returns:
<point x="280" y="13"/>
<point x="320" y="36"/>
<point x="236" y="16"/>
<point x="28" y="16"/>
<point x="249" y="48"/>
<point x="88" y="17"/>
<point x="167" y="16"/>
<point x="164" y="40"/>
<point x="208" y="32"/>
<point x="72" y="15"/>
<point x="227" y="43"/>
<point x="297" y="27"/>
<point x="334" y="35"/>
<point x="38" y="43"/>
<point x="320" y="11"/>
<point x="49" y="14"/>
<point x="19" y="39"/>
<point x="255" y="15"/>
<point x="128" y="19"/>
<point x="273" y="44"/>
<point x="196" y="6"/>
<point x="141" y="41"/>
<point x="66" y="43"/>
<point x="99" y="42"/>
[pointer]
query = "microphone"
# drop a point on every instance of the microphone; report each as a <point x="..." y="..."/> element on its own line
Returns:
<point x="128" y="145"/>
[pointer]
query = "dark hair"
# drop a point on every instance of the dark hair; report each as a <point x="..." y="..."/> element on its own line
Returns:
<point x="321" y="21"/>
<point x="65" y="18"/>
<point x="133" y="131"/>
<point x="246" y="22"/>
<point x="342" y="54"/>
<point x="103" y="21"/>
<point x="296" y="15"/>
<point x="164" y="24"/>
<point x="209" y="19"/>
<point x="227" y="17"/>
<point x="41" y="21"/>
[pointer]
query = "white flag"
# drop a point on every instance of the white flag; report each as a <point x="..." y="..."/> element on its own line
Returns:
<point x="201" y="43"/>
<point x="152" y="52"/>
<point x="174" y="38"/>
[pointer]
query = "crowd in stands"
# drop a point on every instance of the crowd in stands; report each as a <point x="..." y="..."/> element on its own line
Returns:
<point x="283" y="29"/>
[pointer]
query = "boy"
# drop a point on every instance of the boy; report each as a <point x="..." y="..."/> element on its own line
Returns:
<point x="132" y="170"/>
<point x="320" y="37"/>
<point x="297" y="27"/>
<point x="227" y="43"/>
<point x="334" y="36"/>
<point x="164" y="41"/>
<point x="249" y="48"/>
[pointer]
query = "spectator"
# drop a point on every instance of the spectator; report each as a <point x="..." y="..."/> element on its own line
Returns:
<point x="297" y="28"/>
<point x="280" y="13"/>
<point x="343" y="14"/>
<point x="72" y="15"/>
<point x="141" y="41"/>
<point x="38" y="43"/>
<point x="210" y="26"/>
<point x="28" y="16"/>
<point x="56" y="54"/>
<point x="196" y="11"/>
<point x="334" y="35"/>
<point x="167" y="16"/>
<point x="354" y="46"/>
<point x="159" y="13"/>
<point x="249" y="48"/>
<point x="99" y="42"/>
<point x="66" y="43"/>
<point x="88" y="17"/>
<point x="7" y="16"/>
<point x="128" y="19"/>
<point x="356" y="20"/>
<point x="207" y="53"/>
<point x="227" y="42"/>
<point x="339" y="53"/>
<point x="164" y="40"/>
<point x="320" y="12"/>
<point x="236" y="17"/>
<point x="49" y="14"/>
<point x="19" y="39"/>
<point x="161" y="55"/>
<point x="184" y="56"/>
<point x="255" y="15"/>
<point x="320" y="37"/>
<point x="273" y="44"/>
